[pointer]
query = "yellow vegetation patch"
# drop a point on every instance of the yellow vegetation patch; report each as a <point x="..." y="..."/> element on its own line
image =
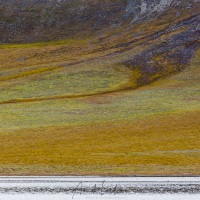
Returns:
<point x="149" y="146"/>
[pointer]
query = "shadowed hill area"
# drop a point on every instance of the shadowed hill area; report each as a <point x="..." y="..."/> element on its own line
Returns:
<point x="29" y="21"/>
<point x="42" y="20"/>
<point x="99" y="87"/>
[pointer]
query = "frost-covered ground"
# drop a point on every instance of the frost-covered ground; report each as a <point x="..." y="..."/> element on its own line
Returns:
<point x="141" y="188"/>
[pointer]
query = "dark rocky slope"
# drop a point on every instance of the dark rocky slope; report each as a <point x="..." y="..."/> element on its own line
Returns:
<point x="41" y="20"/>
<point x="167" y="32"/>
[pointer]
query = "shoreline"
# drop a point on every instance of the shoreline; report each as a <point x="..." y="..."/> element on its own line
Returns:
<point x="100" y="176"/>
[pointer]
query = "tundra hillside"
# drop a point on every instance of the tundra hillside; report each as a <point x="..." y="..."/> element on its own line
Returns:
<point x="108" y="87"/>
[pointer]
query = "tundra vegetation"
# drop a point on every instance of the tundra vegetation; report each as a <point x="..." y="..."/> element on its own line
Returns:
<point x="99" y="87"/>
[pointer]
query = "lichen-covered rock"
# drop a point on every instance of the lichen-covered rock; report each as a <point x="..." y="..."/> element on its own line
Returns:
<point x="140" y="9"/>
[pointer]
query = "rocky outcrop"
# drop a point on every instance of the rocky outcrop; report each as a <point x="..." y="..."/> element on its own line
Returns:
<point x="146" y="7"/>
<point x="140" y="9"/>
<point x="176" y="51"/>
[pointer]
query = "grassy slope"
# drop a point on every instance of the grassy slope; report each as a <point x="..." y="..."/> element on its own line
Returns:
<point x="153" y="130"/>
<point x="67" y="107"/>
